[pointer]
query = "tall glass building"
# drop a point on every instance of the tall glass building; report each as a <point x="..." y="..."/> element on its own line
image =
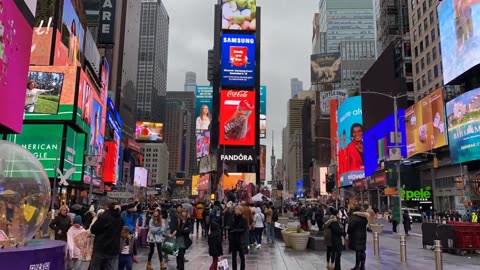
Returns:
<point x="345" y="20"/>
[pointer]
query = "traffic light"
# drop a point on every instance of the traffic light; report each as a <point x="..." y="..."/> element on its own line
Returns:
<point x="330" y="183"/>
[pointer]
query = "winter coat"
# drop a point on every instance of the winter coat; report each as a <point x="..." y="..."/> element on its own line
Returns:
<point x="107" y="230"/>
<point x="155" y="232"/>
<point x="236" y="234"/>
<point x="337" y="234"/>
<point x="259" y="219"/>
<point x="61" y="223"/>
<point x="126" y="242"/>
<point x="247" y="214"/>
<point x="327" y="233"/>
<point x="228" y="217"/>
<point x="183" y="233"/>
<point x="268" y="215"/>
<point x="215" y="248"/>
<point x="406" y="222"/>
<point x="319" y="214"/>
<point x="73" y="251"/>
<point x="357" y="231"/>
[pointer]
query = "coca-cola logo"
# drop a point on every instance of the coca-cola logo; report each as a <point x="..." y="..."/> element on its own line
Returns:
<point x="237" y="94"/>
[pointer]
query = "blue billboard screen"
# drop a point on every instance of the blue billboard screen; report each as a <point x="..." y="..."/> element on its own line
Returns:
<point x="459" y="36"/>
<point x="350" y="137"/>
<point x="263" y="112"/>
<point x="376" y="142"/>
<point x="463" y="117"/>
<point x="238" y="60"/>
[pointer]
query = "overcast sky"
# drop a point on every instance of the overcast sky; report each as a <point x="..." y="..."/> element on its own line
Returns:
<point x="285" y="52"/>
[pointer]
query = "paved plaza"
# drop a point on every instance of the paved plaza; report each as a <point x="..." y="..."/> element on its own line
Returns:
<point x="277" y="257"/>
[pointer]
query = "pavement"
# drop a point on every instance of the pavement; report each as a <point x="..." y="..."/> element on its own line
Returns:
<point x="277" y="257"/>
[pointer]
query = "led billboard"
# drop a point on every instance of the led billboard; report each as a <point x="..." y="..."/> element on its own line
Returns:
<point x="239" y="15"/>
<point x="140" y="177"/>
<point x="15" y="47"/>
<point x="237" y="180"/>
<point x="110" y="167"/>
<point x="463" y="116"/>
<point x="74" y="153"/>
<point x="238" y="60"/>
<point x="326" y="96"/>
<point x="325" y="68"/>
<point x="149" y="132"/>
<point x="203" y="107"/>
<point x="377" y="142"/>
<point x="237" y="117"/>
<point x="350" y="137"/>
<point x="72" y="37"/>
<point x="458" y="37"/>
<point x="425" y="126"/>
<point x="52" y="96"/>
<point x="263" y="112"/>
<point x="203" y="144"/>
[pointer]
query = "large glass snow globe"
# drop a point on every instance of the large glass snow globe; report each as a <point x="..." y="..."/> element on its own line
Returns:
<point x="24" y="194"/>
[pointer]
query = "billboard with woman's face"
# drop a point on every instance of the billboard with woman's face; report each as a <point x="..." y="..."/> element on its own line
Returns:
<point x="72" y="36"/>
<point x="350" y="141"/>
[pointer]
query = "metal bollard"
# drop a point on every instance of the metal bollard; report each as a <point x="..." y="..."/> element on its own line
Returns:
<point x="437" y="249"/>
<point x="403" y="249"/>
<point x="376" y="244"/>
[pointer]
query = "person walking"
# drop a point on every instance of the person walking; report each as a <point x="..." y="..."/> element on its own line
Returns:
<point x="61" y="223"/>
<point x="406" y="222"/>
<point x="319" y="215"/>
<point x="125" y="258"/>
<point x="200" y="221"/>
<point x="215" y="249"/>
<point x="182" y="233"/>
<point x="236" y="237"/>
<point x="327" y="235"/>
<point x="259" y="223"/>
<point x="130" y="219"/>
<point x="336" y="233"/>
<point x="269" y="222"/>
<point x="155" y="238"/>
<point x="106" y="246"/>
<point x="74" y="253"/>
<point x="357" y="233"/>
<point x="228" y="214"/>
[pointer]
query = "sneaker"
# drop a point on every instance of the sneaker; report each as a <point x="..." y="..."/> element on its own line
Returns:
<point x="259" y="246"/>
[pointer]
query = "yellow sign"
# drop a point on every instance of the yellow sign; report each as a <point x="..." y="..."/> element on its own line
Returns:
<point x="390" y="191"/>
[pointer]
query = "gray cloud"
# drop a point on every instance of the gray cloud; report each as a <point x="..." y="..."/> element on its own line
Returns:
<point x="285" y="52"/>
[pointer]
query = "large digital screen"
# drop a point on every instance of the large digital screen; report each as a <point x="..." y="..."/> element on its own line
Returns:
<point x="350" y="137"/>
<point x="334" y="145"/>
<point x="459" y="36"/>
<point x="203" y="107"/>
<point x="237" y="180"/>
<point x="325" y="68"/>
<point x="140" y="177"/>
<point x="263" y="112"/>
<point x="43" y="33"/>
<point x="239" y="15"/>
<point x="425" y="126"/>
<point x="237" y="117"/>
<point x="104" y="80"/>
<point x="238" y="60"/>
<point x="52" y="93"/>
<point x="110" y="167"/>
<point x="92" y="55"/>
<point x="43" y="92"/>
<point x="15" y="47"/>
<point x="72" y="36"/>
<point x="203" y="144"/>
<point x="149" y="132"/>
<point x="74" y="154"/>
<point x="463" y="116"/>
<point x="377" y="142"/>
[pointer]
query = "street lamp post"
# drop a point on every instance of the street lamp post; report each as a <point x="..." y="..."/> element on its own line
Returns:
<point x="396" y="136"/>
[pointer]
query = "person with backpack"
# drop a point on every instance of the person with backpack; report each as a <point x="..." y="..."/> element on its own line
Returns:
<point x="343" y="217"/>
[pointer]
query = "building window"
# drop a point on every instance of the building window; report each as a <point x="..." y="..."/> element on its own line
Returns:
<point x="422" y="61"/>
<point x="424" y="80"/>
<point x="435" y="71"/>
<point x="434" y="53"/>
<point x="419" y="14"/>
<point x="418" y="85"/>
<point x="428" y="58"/>
<point x="432" y="33"/>
<point x="427" y="41"/>
<point x="420" y="29"/>
<point x="425" y="24"/>
<point x="414" y="35"/>
<point x="429" y="75"/>
<point x="416" y="51"/>
<point x="437" y="86"/>
<point x="421" y="46"/>
<point x="424" y="6"/>
<point x="417" y="67"/>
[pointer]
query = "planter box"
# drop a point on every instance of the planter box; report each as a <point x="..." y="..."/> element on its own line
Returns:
<point x="378" y="228"/>
<point x="283" y="220"/>
<point x="299" y="241"/>
<point x="286" y="238"/>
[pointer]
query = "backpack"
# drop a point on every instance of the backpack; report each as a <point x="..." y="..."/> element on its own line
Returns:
<point x="275" y="215"/>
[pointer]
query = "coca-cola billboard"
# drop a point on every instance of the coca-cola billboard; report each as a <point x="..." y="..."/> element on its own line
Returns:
<point x="237" y="117"/>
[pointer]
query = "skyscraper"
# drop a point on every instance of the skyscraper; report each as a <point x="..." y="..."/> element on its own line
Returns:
<point x="190" y="81"/>
<point x="345" y="20"/>
<point x="152" y="61"/>
<point x="295" y="87"/>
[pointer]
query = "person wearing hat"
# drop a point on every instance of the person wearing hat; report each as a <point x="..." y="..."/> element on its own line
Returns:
<point x="76" y="262"/>
<point x="32" y="94"/>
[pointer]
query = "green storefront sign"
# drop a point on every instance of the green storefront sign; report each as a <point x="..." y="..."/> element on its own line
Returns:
<point x="423" y="194"/>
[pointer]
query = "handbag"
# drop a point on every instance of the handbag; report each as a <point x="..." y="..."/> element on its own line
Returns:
<point x="223" y="264"/>
<point x="170" y="246"/>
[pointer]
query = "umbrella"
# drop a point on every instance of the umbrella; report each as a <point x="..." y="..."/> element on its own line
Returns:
<point x="8" y="193"/>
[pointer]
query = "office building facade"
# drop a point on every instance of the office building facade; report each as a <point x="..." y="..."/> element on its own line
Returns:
<point x="190" y="81"/>
<point x="357" y="57"/>
<point x="156" y="160"/>
<point x="295" y="87"/>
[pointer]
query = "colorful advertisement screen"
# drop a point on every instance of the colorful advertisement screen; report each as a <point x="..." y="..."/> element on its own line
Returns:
<point x="239" y="15"/>
<point x="203" y="144"/>
<point x="72" y="37"/>
<point x="263" y="112"/>
<point x="149" y="132"/>
<point x="43" y="33"/>
<point x="50" y="93"/>
<point x="15" y="47"/>
<point x="325" y="68"/>
<point x="238" y="60"/>
<point x="110" y="167"/>
<point x="463" y="116"/>
<point x="376" y="142"/>
<point x="74" y="154"/>
<point x="203" y="107"/>
<point x="459" y="37"/>
<point x="263" y="162"/>
<point x="350" y="136"/>
<point x="140" y="177"/>
<point x="237" y="180"/>
<point x="237" y="117"/>
<point x="425" y="126"/>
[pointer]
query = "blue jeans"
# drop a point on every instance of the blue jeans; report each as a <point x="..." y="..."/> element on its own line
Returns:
<point x="258" y="235"/>
<point x="125" y="261"/>
<point x="270" y="232"/>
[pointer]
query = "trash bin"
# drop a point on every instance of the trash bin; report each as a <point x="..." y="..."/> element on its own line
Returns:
<point x="429" y="233"/>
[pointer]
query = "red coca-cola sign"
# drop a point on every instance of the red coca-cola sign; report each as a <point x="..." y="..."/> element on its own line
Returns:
<point x="237" y="117"/>
<point x="238" y="56"/>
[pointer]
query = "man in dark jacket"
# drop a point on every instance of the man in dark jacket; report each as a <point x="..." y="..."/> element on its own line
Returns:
<point x="106" y="247"/>
<point x="319" y="214"/>
<point x="357" y="233"/>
